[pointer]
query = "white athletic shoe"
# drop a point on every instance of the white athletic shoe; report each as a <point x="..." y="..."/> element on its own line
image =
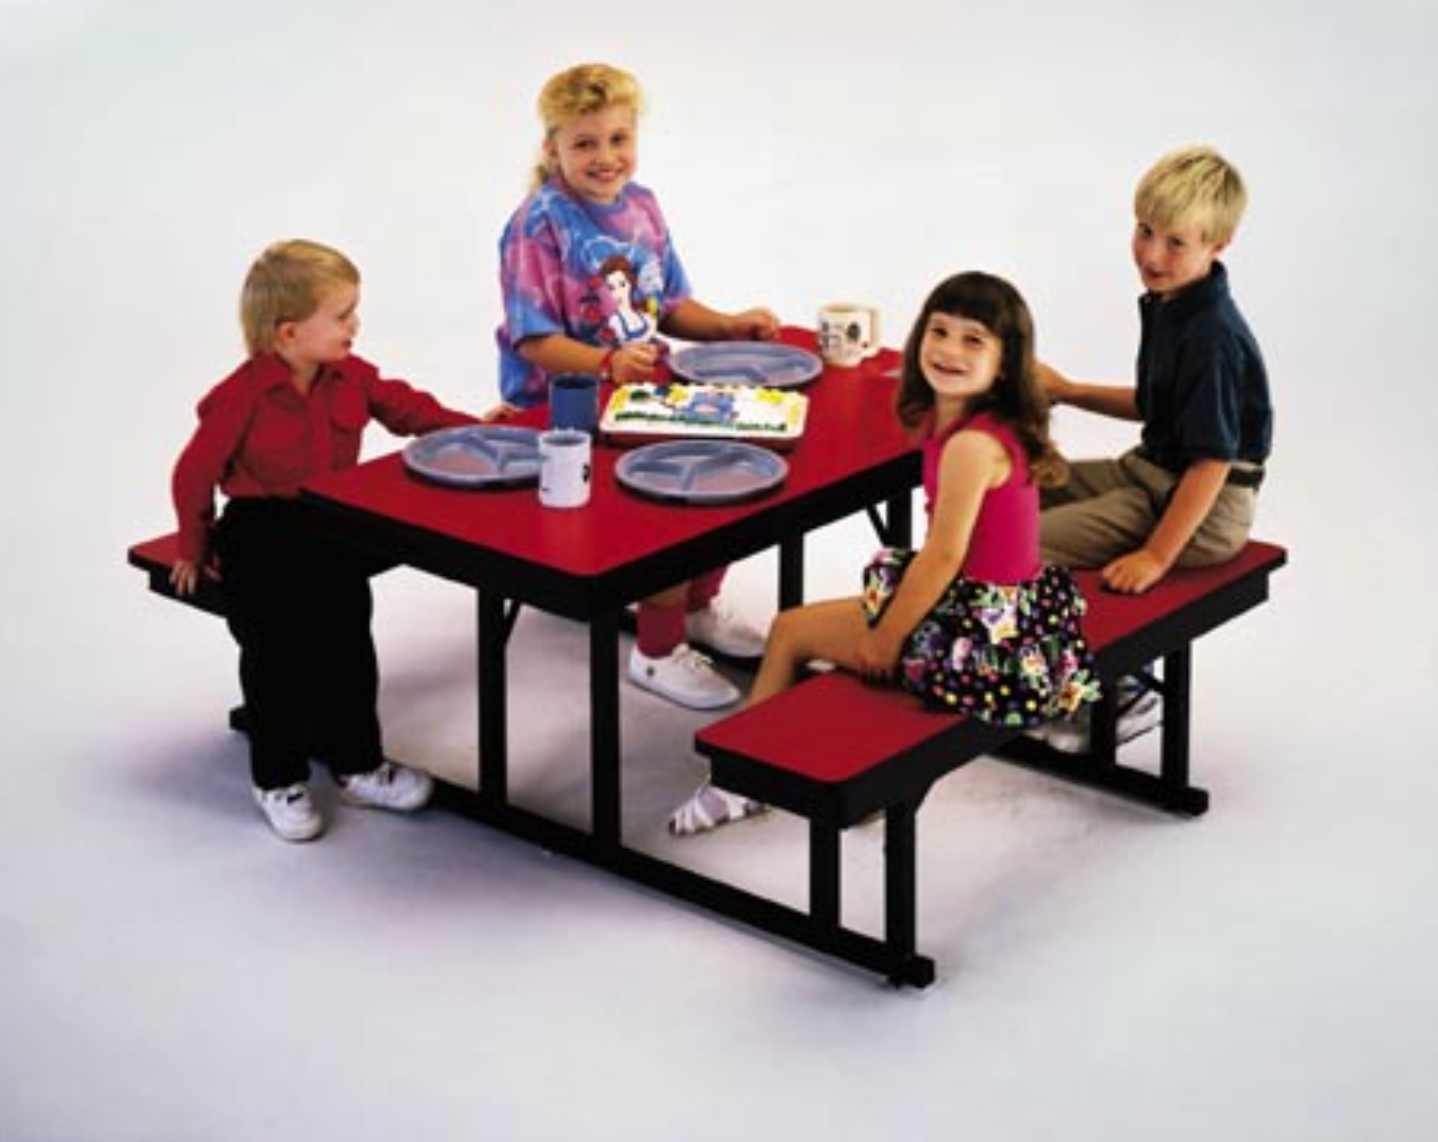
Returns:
<point x="389" y="786"/>
<point x="291" y="811"/>
<point x="719" y="628"/>
<point x="685" y="677"/>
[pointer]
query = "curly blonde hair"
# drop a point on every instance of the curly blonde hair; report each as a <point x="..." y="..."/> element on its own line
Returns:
<point x="582" y="90"/>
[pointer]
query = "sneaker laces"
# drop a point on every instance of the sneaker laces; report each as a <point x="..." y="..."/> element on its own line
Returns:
<point x="382" y="774"/>
<point x="695" y="661"/>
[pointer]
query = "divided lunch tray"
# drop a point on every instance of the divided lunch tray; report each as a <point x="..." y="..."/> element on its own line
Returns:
<point x="701" y="471"/>
<point x="767" y="364"/>
<point x="476" y="456"/>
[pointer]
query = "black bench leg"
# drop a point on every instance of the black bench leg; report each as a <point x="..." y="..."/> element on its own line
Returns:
<point x="824" y="890"/>
<point x="901" y="896"/>
<point x="1181" y="797"/>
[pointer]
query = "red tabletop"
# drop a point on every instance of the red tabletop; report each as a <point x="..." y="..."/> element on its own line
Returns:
<point x="851" y="430"/>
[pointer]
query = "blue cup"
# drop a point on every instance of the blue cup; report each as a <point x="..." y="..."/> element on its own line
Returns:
<point x="574" y="403"/>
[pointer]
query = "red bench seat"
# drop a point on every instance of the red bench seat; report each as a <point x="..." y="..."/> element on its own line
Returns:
<point x="836" y="750"/>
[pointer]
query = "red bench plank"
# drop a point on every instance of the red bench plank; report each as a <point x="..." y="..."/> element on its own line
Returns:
<point x="835" y="727"/>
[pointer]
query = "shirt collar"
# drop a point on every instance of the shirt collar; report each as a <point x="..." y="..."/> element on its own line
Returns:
<point x="271" y="372"/>
<point x="1200" y="295"/>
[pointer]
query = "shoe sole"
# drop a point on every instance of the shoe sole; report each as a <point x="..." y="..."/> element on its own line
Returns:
<point x="406" y="807"/>
<point x="715" y="703"/>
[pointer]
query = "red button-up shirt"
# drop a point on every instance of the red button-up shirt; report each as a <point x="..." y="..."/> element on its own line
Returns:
<point x="260" y="436"/>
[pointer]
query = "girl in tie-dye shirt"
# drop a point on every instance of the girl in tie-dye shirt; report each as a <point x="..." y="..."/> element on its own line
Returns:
<point x="601" y="274"/>
<point x="590" y="278"/>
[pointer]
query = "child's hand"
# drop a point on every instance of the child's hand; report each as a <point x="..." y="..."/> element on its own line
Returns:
<point x="753" y="325"/>
<point x="1056" y="386"/>
<point x="874" y="658"/>
<point x="502" y="411"/>
<point x="635" y="363"/>
<point x="185" y="575"/>
<point x="1134" y="573"/>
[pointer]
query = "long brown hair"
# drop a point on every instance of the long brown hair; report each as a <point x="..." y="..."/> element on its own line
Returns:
<point x="1016" y="397"/>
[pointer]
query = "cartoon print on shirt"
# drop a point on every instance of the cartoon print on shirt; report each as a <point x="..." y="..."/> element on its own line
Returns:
<point x="627" y="322"/>
<point x="620" y="303"/>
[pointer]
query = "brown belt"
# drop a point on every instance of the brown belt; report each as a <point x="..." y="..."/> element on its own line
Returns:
<point x="1247" y="477"/>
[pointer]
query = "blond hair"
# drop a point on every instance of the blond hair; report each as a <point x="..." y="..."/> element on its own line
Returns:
<point x="1192" y="186"/>
<point x="582" y="90"/>
<point x="287" y="283"/>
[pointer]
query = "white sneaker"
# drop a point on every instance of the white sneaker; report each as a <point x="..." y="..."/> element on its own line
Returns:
<point x="390" y="786"/>
<point x="719" y="628"/>
<point x="291" y="811"/>
<point x="685" y="677"/>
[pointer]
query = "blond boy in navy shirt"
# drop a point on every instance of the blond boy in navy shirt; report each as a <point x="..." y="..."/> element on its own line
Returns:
<point x="1186" y="495"/>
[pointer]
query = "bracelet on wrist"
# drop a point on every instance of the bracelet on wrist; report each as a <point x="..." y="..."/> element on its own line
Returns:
<point x="606" y="365"/>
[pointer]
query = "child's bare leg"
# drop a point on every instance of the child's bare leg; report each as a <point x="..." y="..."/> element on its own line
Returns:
<point x="828" y="630"/>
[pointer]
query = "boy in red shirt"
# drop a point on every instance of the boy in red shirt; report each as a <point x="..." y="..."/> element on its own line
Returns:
<point x="298" y="607"/>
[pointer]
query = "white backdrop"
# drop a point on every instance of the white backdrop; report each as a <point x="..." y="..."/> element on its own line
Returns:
<point x="803" y="152"/>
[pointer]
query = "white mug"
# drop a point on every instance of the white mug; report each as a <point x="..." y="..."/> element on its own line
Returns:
<point x="564" y="468"/>
<point x="848" y="333"/>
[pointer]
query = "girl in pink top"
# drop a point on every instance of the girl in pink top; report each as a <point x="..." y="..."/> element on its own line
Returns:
<point x="972" y="622"/>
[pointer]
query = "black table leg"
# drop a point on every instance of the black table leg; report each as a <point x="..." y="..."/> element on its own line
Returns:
<point x="604" y="745"/>
<point x="791" y="571"/>
<point x="493" y="624"/>
<point x="900" y="515"/>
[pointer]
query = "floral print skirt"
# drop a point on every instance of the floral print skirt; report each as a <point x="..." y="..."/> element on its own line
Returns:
<point x="1011" y="654"/>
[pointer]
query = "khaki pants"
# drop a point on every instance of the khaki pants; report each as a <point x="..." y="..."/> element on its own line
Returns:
<point x="1110" y="507"/>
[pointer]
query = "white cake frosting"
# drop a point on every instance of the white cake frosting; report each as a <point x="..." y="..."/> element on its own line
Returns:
<point x="706" y="410"/>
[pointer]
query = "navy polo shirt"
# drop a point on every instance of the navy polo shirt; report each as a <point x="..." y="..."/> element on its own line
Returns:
<point x="1202" y="387"/>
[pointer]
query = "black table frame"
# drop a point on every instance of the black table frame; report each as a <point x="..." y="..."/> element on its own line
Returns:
<point x="504" y="583"/>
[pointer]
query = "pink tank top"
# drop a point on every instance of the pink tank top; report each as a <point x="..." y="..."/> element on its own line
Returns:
<point x="1004" y="547"/>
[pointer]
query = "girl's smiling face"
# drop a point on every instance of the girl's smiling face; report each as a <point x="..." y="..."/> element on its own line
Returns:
<point x="959" y="357"/>
<point x="596" y="154"/>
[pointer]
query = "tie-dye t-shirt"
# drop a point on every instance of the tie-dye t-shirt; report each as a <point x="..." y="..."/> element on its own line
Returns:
<point x="601" y="274"/>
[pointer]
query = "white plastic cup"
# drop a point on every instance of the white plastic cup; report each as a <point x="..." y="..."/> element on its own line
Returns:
<point x="565" y="462"/>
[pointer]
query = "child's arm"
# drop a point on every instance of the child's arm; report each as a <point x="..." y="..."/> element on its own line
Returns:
<point x="628" y="364"/>
<point x="1106" y="400"/>
<point x="1193" y="497"/>
<point x="972" y="463"/>
<point x="224" y="415"/>
<point x="692" y="320"/>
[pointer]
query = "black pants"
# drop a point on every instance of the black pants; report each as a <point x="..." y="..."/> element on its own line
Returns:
<point x="300" y="609"/>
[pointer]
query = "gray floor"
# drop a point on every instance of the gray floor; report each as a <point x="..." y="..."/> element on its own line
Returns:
<point x="169" y="971"/>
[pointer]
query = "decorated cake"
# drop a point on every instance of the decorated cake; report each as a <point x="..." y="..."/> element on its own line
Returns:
<point x="723" y="411"/>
